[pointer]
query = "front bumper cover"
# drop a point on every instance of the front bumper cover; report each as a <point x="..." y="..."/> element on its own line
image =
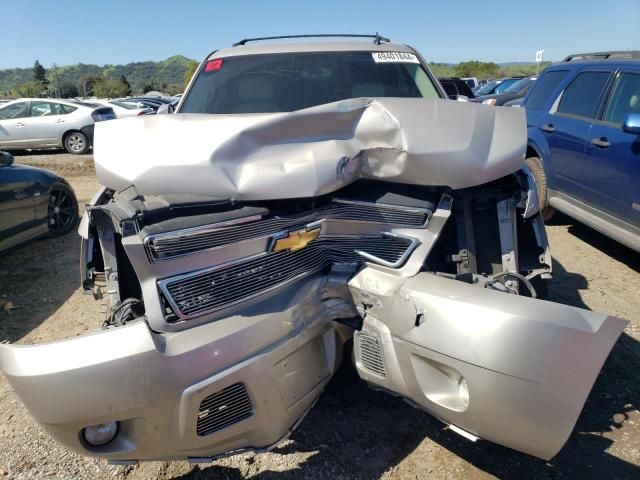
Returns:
<point x="528" y="365"/>
<point x="153" y="384"/>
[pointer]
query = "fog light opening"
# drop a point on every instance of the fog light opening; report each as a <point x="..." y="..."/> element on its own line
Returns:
<point x="463" y="392"/>
<point x="98" y="435"/>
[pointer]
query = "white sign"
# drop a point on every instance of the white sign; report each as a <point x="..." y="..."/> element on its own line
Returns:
<point x="539" y="56"/>
<point x="385" y="57"/>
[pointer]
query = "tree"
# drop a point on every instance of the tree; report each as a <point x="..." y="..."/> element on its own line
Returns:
<point x="191" y="69"/>
<point x="68" y="90"/>
<point x="124" y="81"/>
<point x="86" y="85"/>
<point x="173" y="89"/>
<point x="30" y="89"/>
<point x="478" y="69"/>
<point x="40" y="73"/>
<point x="110" y="88"/>
<point x="149" y="87"/>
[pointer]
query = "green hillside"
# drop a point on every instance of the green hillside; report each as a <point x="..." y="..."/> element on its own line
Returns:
<point x="169" y="75"/>
<point x="164" y="75"/>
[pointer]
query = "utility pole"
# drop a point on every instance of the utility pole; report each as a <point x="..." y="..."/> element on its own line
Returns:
<point x="55" y="77"/>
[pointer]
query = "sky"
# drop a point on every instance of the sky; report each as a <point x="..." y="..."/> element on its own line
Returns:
<point x="116" y="31"/>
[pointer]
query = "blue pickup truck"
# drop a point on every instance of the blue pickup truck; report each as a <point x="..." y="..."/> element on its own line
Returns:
<point x="583" y="118"/>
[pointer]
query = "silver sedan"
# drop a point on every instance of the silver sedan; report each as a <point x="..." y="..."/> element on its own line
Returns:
<point x="48" y="123"/>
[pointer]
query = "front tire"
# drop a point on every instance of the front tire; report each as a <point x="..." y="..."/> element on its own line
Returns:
<point x="535" y="165"/>
<point x="62" y="211"/>
<point x="76" y="143"/>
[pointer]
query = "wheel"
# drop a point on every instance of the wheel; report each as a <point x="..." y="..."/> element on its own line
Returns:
<point x="76" y="143"/>
<point x="62" y="212"/>
<point x="535" y="165"/>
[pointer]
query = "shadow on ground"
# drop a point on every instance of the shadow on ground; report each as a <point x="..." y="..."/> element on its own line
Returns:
<point x="355" y="432"/>
<point x="607" y="245"/>
<point x="37" y="278"/>
<point x="48" y="151"/>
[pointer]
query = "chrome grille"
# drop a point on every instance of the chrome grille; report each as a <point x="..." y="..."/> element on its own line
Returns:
<point x="219" y="287"/>
<point x="224" y="408"/>
<point x="371" y="353"/>
<point x="174" y="244"/>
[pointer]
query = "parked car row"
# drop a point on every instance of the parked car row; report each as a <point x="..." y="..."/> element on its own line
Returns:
<point x="504" y="90"/>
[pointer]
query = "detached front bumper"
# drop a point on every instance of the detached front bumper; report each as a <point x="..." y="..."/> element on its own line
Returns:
<point x="257" y="374"/>
<point x="506" y="368"/>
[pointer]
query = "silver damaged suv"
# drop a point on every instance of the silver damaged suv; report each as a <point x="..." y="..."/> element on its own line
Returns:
<point x="302" y="196"/>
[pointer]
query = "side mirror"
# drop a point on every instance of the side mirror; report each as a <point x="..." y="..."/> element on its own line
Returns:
<point x="6" y="159"/>
<point x="631" y="123"/>
<point x="462" y="98"/>
<point x="164" y="109"/>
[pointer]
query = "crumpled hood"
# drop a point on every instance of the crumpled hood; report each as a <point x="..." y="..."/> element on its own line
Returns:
<point x="312" y="151"/>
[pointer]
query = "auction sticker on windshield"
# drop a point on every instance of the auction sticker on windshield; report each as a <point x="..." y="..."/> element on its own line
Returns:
<point x="384" y="57"/>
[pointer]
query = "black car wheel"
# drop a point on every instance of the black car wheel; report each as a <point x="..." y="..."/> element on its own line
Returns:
<point x="62" y="212"/>
<point x="535" y="165"/>
<point x="76" y="143"/>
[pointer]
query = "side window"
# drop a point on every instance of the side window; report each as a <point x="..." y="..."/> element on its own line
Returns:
<point x="56" y="109"/>
<point x="15" y="110"/>
<point x="624" y="100"/>
<point x="543" y="88"/>
<point x="45" y="109"/>
<point x="424" y="84"/>
<point x="67" y="109"/>
<point x="582" y="96"/>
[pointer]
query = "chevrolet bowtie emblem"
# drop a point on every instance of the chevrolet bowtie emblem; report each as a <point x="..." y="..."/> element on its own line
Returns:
<point x="296" y="240"/>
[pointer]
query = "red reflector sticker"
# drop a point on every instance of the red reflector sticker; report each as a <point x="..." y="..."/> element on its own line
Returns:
<point x="213" y="65"/>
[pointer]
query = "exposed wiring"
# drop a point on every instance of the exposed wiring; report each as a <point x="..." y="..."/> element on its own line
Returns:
<point x="122" y="313"/>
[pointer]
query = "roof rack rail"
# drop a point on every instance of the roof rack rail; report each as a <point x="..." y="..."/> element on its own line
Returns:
<point x="377" y="38"/>
<point x="618" y="54"/>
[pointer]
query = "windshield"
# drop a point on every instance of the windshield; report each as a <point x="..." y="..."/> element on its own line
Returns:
<point x="519" y="85"/>
<point x="505" y="84"/>
<point x="285" y="82"/>
<point x="487" y="88"/>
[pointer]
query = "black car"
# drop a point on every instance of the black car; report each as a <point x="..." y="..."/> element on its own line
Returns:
<point x="517" y="90"/>
<point x="33" y="202"/>
<point x="455" y="86"/>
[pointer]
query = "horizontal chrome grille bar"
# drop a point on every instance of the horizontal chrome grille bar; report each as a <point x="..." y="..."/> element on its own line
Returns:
<point x="211" y="289"/>
<point x="185" y="242"/>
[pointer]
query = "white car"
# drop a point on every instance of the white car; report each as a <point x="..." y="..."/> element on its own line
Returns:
<point x="48" y="123"/>
<point x="124" y="109"/>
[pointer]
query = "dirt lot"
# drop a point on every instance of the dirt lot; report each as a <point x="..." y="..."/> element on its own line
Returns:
<point x="353" y="432"/>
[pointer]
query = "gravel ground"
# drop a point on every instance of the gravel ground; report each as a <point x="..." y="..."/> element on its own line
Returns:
<point x="353" y="432"/>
